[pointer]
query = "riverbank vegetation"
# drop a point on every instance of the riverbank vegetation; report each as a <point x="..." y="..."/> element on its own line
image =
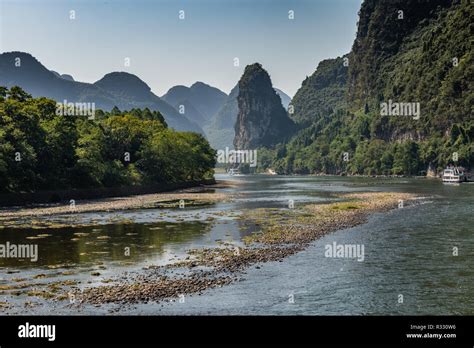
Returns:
<point x="41" y="150"/>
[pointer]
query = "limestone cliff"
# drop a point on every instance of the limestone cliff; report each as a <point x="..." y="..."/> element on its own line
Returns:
<point x="261" y="119"/>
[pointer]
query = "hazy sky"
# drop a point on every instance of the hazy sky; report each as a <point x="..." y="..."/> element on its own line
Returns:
<point x="165" y="51"/>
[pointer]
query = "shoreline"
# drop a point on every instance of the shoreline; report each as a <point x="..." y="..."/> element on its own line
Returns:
<point x="358" y="175"/>
<point x="195" y="196"/>
<point x="51" y="197"/>
<point x="284" y="233"/>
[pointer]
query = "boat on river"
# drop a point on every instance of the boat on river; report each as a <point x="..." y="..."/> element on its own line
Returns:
<point x="453" y="175"/>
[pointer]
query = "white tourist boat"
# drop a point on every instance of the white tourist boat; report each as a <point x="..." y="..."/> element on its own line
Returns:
<point x="453" y="175"/>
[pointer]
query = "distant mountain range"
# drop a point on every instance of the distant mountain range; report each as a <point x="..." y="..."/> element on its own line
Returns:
<point x="285" y="98"/>
<point x="205" y="99"/>
<point x="64" y="76"/>
<point x="121" y="89"/>
<point x="200" y="108"/>
<point x="212" y="109"/>
<point x="416" y="54"/>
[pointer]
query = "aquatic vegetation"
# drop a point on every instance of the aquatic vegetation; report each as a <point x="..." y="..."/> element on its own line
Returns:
<point x="345" y="206"/>
<point x="283" y="232"/>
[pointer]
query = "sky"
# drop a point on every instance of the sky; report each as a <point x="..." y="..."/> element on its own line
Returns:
<point x="164" y="50"/>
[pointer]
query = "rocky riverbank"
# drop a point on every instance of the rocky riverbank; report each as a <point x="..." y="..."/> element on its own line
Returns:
<point x="25" y="217"/>
<point x="283" y="232"/>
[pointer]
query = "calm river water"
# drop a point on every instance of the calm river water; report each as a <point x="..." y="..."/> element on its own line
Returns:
<point x="410" y="264"/>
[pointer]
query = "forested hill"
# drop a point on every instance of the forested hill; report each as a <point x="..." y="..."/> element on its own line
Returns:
<point x="322" y="93"/>
<point x="416" y="52"/>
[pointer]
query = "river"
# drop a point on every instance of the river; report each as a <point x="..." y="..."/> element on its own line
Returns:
<point x="418" y="259"/>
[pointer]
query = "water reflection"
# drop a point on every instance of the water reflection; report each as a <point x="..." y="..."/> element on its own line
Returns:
<point x="84" y="245"/>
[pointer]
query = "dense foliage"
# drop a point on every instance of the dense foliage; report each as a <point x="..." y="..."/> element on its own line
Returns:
<point x="322" y="93"/>
<point x="42" y="150"/>
<point x="428" y="58"/>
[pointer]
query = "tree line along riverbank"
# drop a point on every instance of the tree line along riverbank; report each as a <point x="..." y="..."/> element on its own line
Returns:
<point x="43" y="151"/>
